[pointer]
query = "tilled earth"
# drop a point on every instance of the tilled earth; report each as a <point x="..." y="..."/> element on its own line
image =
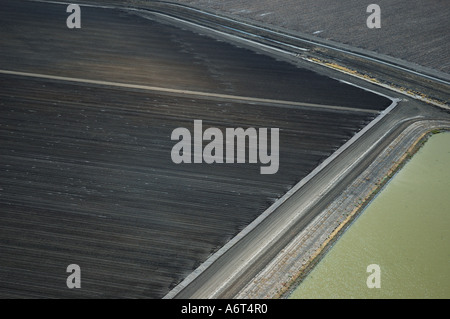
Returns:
<point x="86" y="175"/>
<point x="414" y="31"/>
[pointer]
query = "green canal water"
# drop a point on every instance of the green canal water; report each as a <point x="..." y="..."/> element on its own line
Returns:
<point x="405" y="230"/>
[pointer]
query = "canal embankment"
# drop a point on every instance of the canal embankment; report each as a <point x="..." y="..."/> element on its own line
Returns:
<point x="291" y="266"/>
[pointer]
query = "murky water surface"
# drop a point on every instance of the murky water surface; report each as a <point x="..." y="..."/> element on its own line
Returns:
<point x="405" y="230"/>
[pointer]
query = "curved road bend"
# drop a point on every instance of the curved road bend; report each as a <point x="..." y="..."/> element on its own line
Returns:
<point x="227" y="275"/>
